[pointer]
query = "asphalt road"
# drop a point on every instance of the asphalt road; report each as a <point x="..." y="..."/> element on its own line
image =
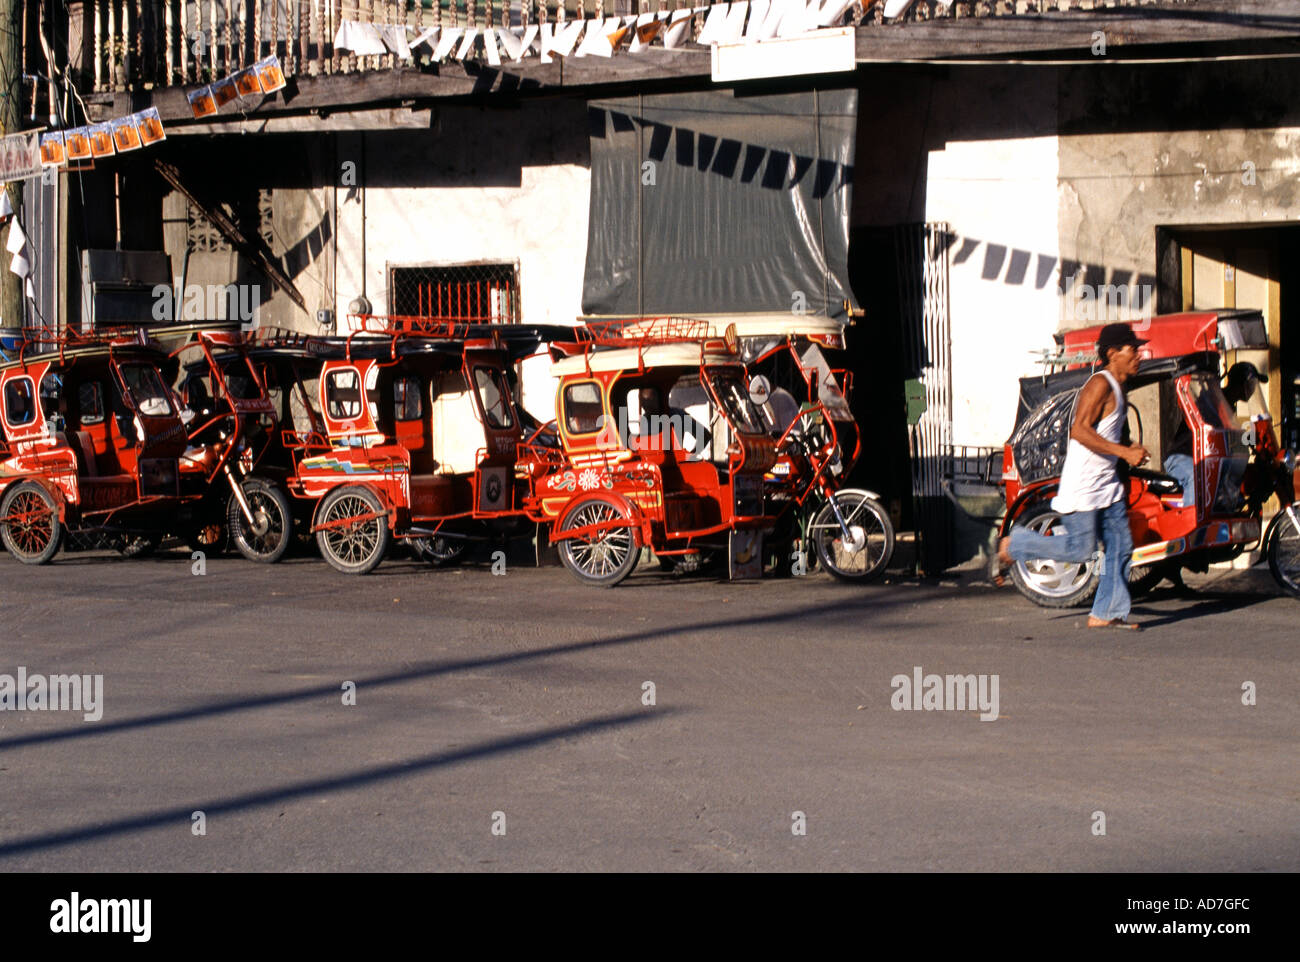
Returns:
<point x="522" y="694"/>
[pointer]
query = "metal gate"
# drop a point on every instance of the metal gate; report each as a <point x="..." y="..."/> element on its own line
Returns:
<point x="923" y="299"/>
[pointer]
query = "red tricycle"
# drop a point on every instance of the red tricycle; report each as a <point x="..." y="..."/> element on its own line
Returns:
<point x="90" y="445"/>
<point x="1176" y="393"/>
<point x="661" y="443"/>
<point x="419" y="438"/>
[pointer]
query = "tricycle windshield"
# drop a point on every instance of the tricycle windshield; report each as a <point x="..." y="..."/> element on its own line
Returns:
<point x="1212" y="406"/>
<point x="240" y="380"/>
<point x="147" y="392"/>
<point x="729" y="386"/>
<point x="494" y="397"/>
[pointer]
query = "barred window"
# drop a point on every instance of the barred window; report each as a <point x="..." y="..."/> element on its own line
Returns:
<point x="474" y="293"/>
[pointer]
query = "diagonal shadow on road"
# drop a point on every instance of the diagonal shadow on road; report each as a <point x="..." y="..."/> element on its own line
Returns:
<point x="365" y="776"/>
<point x="873" y="604"/>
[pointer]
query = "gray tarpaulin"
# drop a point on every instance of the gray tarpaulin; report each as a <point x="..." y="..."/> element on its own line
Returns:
<point x="709" y="203"/>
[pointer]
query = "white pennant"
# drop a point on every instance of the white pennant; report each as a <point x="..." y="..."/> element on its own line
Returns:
<point x="449" y="37"/>
<point x="677" y="27"/>
<point x="467" y="44"/>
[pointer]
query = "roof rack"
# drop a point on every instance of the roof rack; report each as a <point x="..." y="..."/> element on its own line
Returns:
<point x="643" y="331"/>
<point x="410" y="324"/>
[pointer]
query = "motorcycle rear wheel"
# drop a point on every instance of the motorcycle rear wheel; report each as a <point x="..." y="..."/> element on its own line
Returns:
<point x="1283" y="551"/>
<point x="1053" y="584"/>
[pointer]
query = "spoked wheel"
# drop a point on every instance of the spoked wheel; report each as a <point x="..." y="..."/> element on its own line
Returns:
<point x="1054" y="584"/>
<point x="437" y="550"/>
<point x="865" y="554"/>
<point x="29" y="523"/>
<point x="352" y="530"/>
<point x="1283" y="550"/>
<point x="267" y="538"/>
<point x="209" y="538"/>
<point x="605" y="557"/>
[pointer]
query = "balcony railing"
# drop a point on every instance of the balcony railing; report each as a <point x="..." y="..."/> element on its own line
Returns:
<point x="141" y="43"/>
<point x="133" y="44"/>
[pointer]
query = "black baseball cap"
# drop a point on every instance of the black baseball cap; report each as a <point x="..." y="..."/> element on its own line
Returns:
<point x="1244" y="369"/>
<point x="1117" y="335"/>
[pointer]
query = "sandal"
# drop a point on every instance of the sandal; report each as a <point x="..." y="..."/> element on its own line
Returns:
<point x="1113" y="623"/>
<point x="1004" y="563"/>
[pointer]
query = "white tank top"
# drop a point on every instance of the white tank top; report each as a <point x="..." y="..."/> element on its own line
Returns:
<point x="1089" y="480"/>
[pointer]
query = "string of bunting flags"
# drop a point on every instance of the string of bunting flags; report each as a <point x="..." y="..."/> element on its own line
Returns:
<point x="726" y="23"/>
<point x="77" y="148"/>
<point x="263" y="77"/>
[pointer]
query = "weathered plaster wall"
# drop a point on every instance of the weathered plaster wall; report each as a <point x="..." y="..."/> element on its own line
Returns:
<point x="500" y="186"/>
<point x="1054" y="182"/>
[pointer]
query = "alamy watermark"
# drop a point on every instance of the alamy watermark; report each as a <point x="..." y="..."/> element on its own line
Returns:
<point x="921" y="692"/>
<point x="76" y="915"/>
<point x="208" y="302"/>
<point x="1081" y="301"/>
<point x="33" y="692"/>
<point x="654" y="432"/>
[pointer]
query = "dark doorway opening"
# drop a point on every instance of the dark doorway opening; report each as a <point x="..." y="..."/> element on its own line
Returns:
<point x="1246" y="266"/>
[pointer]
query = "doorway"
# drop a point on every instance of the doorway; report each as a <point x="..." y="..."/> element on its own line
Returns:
<point x="1255" y="267"/>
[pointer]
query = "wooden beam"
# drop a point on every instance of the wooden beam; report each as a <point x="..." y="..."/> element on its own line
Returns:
<point x="254" y="248"/>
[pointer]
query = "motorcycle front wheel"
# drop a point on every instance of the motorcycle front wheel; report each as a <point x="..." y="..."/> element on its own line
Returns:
<point x="865" y="553"/>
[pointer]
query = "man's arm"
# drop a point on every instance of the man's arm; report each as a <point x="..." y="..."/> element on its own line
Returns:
<point x="1087" y="413"/>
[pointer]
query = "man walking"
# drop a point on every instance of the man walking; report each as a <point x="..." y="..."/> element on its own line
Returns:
<point x="1091" y="492"/>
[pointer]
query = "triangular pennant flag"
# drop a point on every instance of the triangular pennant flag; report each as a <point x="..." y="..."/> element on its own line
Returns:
<point x="490" y="47"/>
<point x="713" y="23"/>
<point x="619" y="31"/>
<point x="595" y="35"/>
<point x="566" y="35"/>
<point x="445" y="44"/>
<point x="428" y="36"/>
<point x="17" y="245"/>
<point x="677" y="29"/>
<point x="648" y="27"/>
<point x="757" y="14"/>
<point x="511" y="44"/>
<point x="394" y="38"/>
<point x="467" y="44"/>
<point x="731" y="30"/>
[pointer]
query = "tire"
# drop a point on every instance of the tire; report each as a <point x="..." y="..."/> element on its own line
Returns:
<point x="30" y="528"/>
<point x="357" y="547"/>
<point x="607" y="558"/>
<point x="269" y="540"/>
<point x="1053" y="584"/>
<point x="866" y="558"/>
<point x="1283" y="551"/>
<point x="1143" y="580"/>
<point x="437" y="550"/>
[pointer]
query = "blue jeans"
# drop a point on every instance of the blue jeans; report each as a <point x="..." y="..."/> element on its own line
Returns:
<point x="1182" y="469"/>
<point x="1112" y="598"/>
